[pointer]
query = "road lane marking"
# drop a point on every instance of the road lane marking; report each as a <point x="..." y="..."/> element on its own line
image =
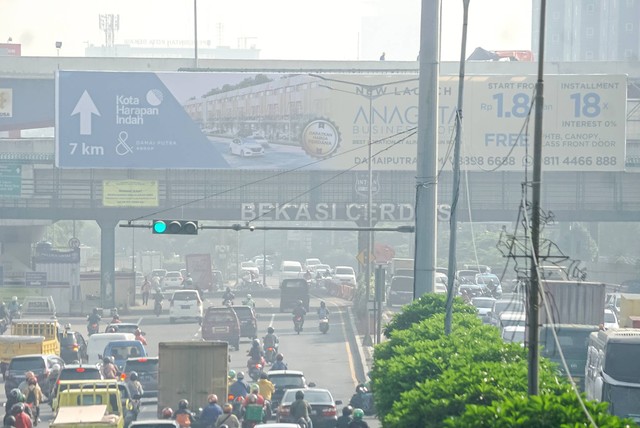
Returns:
<point x="272" y="318"/>
<point x="140" y="321"/>
<point x="347" y="345"/>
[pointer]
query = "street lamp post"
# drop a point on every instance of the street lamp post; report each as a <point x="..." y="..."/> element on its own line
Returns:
<point x="370" y="92"/>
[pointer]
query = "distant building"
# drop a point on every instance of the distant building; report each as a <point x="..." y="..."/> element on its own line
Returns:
<point x="170" y="49"/>
<point x="589" y="30"/>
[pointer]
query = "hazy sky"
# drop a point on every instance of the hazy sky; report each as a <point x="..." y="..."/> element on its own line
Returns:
<point x="283" y="29"/>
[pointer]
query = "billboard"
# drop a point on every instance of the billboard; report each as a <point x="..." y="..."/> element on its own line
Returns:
<point x="329" y="122"/>
<point x="26" y="103"/>
<point x="130" y="193"/>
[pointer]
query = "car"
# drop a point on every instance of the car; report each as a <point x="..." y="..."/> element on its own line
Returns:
<point x="73" y="346"/>
<point x="284" y="380"/>
<point x="325" y="270"/>
<point x="324" y="413"/>
<point x="39" y="364"/>
<point x="483" y="305"/>
<point x="400" y="291"/>
<point x="248" y="321"/>
<point x="260" y="139"/>
<point x="121" y="350"/>
<point x="245" y="147"/>
<point x="502" y="305"/>
<point x="38" y="307"/>
<point x="290" y="269"/>
<point x="221" y="323"/>
<point x="185" y="304"/>
<point x="610" y="319"/>
<point x="345" y="274"/>
<point x="513" y="333"/>
<point x="473" y="290"/>
<point x="159" y="423"/>
<point x="160" y="273"/>
<point x="309" y="263"/>
<point x="147" y="370"/>
<point x="98" y="341"/>
<point x="77" y="372"/>
<point x="491" y="281"/>
<point x="440" y="282"/>
<point x="123" y="327"/>
<point x="265" y="265"/>
<point x="172" y="280"/>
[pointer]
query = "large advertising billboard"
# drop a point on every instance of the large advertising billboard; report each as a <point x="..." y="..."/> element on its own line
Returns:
<point x="330" y="122"/>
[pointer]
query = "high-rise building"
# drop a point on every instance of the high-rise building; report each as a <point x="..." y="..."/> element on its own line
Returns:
<point x="589" y="30"/>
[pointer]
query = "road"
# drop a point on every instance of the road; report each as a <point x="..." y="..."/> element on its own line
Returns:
<point x="326" y="359"/>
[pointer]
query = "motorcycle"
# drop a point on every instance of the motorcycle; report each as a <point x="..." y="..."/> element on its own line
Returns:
<point x="298" y="321"/>
<point x="236" y="404"/>
<point x="255" y="369"/>
<point x="93" y="328"/>
<point x="15" y="313"/>
<point x="270" y="354"/>
<point x="363" y="399"/>
<point x="324" y="325"/>
<point x="157" y="308"/>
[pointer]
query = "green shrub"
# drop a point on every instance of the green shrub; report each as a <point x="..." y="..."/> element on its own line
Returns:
<point x="539" y="411"/>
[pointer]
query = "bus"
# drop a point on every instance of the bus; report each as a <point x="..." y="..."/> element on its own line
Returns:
<point x="574" y="340"/>
<point x="612" y="372"/>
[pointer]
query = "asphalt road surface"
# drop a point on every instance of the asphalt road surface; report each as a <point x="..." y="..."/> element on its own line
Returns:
<point x="325" y="359"/>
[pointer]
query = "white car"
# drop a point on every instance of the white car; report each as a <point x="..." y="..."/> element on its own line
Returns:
<point x="173" y="279"/>
<point x="185" y="304"/>
<point x="610" y="320"/>
<point x="245" y="147"/>
<point x="260" y="139"/>
<point x="513" y="333"/>
<point x="345" y="274"/>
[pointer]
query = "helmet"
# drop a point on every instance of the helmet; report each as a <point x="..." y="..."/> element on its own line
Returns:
<point x="15" y="394"/>
<point x="279" y="357"/>
<point x="252" y="399"/>
<point x="212" y="398"/>
<point x="255" y="387"/>
<point x="256" y="342"/>
<point x="138" y="332"/>
<point x="299" y="395"/>
<point x="322" y="304"/>
<point x="95" y="311"/>
<point x="133" y="376"/>
<point x="347" y="410"/>
<point x="17" y="408"/>
<point x="270" y="330"/>
<point x="106" y="360"/>
<point x="189" y="281"/>
<point x="67" y="326"/>
<point x="232" y="374"/>
<point x="10" y="421"/>
<point x="240" y="375"/>
<point x="32" y="381"/>
<point x="167" y="413"/>
<point x="183" y="404"/>
<point x="227" y="408"/>
<point x="116" y="317"/>
<point x="14" y="298"/>
<point x="299" y="303"/>
<point x="358" y="414"/>
<point x="248" y="296"/>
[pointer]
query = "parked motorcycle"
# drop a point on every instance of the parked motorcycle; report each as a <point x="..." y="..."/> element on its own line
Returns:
<point x="298" y="321"/>
<point x="324" y="325"/>
<point x="157" y="308"/>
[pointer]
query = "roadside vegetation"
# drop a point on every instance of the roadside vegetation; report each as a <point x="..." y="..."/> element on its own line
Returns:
<point x="471" y="378"/>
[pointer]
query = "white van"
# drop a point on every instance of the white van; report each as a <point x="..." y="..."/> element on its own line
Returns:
<point x="97" y="342"/>
<point x="290" y="269"/>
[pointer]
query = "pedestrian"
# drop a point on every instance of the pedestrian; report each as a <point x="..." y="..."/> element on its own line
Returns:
<point x="146" y="289"/>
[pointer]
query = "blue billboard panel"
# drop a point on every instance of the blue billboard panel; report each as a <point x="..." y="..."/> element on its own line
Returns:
<point x="126" y="120"/>
<point x="26" y="103"/>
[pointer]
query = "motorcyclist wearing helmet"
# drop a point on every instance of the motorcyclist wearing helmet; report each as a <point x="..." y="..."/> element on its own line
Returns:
<point x="33" y="397"/>
<point x="323" y="312"/>
<point x="266" y="389"/>
<point x="307" y="275"/>
<point x="183" y="415"/>
<point x="301" y="409"/>
<point x="270" y="339"/>
<point x="109" y="370"/>
<point x="9" y="421"/>
<point x="211" y="412"/>
<point x="357" y="421"/>
<point x="279" y="364"/>
<point x="232" y="376"/>
<point x="14" y="306"/>
<point x="228" y="296"/>
<point x="140" y="337"/>
<point x="167" y="413"/>
<point x="248" y="301"/>
<point x="15" y="396"/>
<point x="3" y="311"/>
<point x="256" y="355"/>
<point x="239" y="388"/>
<point x="22" y="418"/>
<point x="116" y="319"/>
<point x="24" y="385"/>
<point x="227" y="418"/>
<point x="134" y="384"/>
<point x="346" y="418"/>
<point x="299" y="311"/>
<point x="94" y="318"/>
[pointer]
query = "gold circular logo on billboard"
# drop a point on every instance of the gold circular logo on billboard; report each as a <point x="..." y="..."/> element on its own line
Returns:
<point x="320" y="138"/>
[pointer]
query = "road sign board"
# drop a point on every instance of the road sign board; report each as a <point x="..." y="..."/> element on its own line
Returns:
<point x="10" y="180"/>
<point x="362" y="257"/>
<point x="35" y="279"/>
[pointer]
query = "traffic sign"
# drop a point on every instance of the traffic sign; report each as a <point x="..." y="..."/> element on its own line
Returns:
<point x="10" y="180"/>
<point x="35" y="279"/>
<point x="383" y="253"/>
<point x="126" y="120"/>
<point x="362" y="258"/>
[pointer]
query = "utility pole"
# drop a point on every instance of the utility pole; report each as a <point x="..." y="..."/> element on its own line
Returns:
<point x="195" y="30"/>
<point x="534" y="285"/>
<point x="453" y="221"/>
<point x="426" y="186"/>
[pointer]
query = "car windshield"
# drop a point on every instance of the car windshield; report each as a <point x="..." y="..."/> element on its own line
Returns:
<point x="619" y="361"/>
<point x="511" y="305"/>
<point x="311" y="395"/>
<point x="243" y="312"/>
<point x="573" y="342"/>
<point x="142" y="365"/>
<point x="26" y="364"/>
<point x="219" y="316"/>
<point x="287" y="381"/>
<point x="185" y="296"/>
<point x="174" y="275"/>
<point x="482" y="303"/>
<point x="124" y="352"/>
<point x="80" y="373"/>
<point x="344" y="271"/>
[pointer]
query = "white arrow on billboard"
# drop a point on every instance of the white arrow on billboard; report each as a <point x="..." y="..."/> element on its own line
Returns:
<point x="85" y="108"/>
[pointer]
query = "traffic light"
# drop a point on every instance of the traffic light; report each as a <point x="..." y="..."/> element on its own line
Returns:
<point x="175" y="227"/>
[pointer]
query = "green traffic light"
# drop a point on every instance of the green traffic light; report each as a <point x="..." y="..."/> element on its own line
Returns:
<point x="159" y="227"/>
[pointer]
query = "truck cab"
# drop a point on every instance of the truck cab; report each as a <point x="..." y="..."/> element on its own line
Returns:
<point x="99" y="400"/>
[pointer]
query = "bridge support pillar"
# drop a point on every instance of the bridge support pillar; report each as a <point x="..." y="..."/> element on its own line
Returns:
<point x="107" y="262"/>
